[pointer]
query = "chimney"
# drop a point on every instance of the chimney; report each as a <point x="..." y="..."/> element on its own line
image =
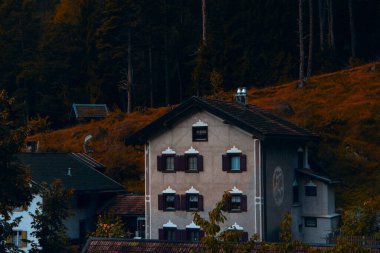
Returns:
<point x="241" y="95"/>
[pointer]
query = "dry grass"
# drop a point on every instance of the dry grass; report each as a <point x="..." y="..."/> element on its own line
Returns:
<point x="343" y="107"/>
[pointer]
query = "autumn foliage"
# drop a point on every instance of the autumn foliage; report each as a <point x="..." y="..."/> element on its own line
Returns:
<point x="342" y="107"/>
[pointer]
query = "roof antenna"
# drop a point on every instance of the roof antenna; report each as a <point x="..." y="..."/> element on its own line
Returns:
<point x="241" y="95"/>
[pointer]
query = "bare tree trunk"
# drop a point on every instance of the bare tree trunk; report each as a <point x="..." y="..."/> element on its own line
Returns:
<point x="129" y="86"/>
<point x="167" y="91"/>
<point x="302" y="56"/>
<point x="321" y="11"/>
<point x="331" y="24"/>
<point x="204" y="22"/>
<point x="352" y="29"/>
<point x="179" y="81"/>
<point x="151" y="90"/>
<point x="311" y="37"/>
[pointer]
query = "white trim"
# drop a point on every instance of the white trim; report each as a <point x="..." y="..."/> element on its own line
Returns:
<point x="233" y="150"/>
<point x="235" y="226"/>
<point x="310" y="183"/>
<point x="235" y="191"/>
<point x="191" y="150"/>
<point x="168" y="151"/>
<point x="168" y="190"/>
<point x="193" y="225"/>
<point x="169" y="224"/>
<point x="200" y="123"/>
<point x="192" y="190"/>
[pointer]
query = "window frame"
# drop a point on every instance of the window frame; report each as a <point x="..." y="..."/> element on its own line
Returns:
<point x="313" y="224"/>
<point x="162" y="163"/>
<point x="242" y="203"/>
<point x="227" y="162"/>
<point x="185" y="202"/>
<point x="19" y="238"/>
<point x="189" y="232"/>
<point x="172" y="232"/>
<point x="311" y="191"/>
<point x="163" y="204"/>
<point x="166" y="206"/>
<point x="199" y="137"/>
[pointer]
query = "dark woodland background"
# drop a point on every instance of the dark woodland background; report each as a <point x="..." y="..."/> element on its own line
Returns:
<point x="57" y="52"/>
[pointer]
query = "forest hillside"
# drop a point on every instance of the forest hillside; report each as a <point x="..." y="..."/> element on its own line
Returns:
<point x="342" y="107"/>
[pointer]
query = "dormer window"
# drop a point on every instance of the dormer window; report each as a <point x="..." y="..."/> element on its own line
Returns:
<point x="200" y="131"/>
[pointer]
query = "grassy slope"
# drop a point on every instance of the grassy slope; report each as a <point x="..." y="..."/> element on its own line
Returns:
<point x="343" y="107"/>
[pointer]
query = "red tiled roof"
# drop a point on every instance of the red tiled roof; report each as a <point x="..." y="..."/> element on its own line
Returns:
<point x="120" y="245"/>
<point x="126" y="205"/>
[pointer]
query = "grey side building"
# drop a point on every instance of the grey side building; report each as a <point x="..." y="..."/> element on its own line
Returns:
<point x="204" y="147"/>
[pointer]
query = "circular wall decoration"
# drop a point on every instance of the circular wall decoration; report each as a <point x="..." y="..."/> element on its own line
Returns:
<point x="278" y="186"/>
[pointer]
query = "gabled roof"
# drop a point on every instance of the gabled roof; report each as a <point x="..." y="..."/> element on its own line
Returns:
<point x="259" y="122"/>
<point x="90" y="111"/>
<point x="318" y="175"/>
<point x="82" y="176"/>
<point x="126" y="205"/>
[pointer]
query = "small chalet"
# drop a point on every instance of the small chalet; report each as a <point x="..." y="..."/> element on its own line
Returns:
<point x="131" y="210"/>
<point x="204" y="147"/>
<point x="86" y="112"/>
<point x="77" y="171"/>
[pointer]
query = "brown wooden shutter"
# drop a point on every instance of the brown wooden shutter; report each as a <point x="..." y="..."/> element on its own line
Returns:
<point x="243" y="203"/>
<point x="160" y="202"/>
<point x="243" y="162"/>
<point x="161" y="234"/>
<point x="200" y="203"/>
<point x="178" y="234"/>
<point x="201" y="234"/>
<point x="200" y="162"/>
<point x="244" y="236"/>
<point x="178" y="163"/>
<point x="177" y="202"/>
<point x="225" y="163"/>
<point x="183" y="202"/>
<point x="160" y="162"/>
<point x="24" y="243"/>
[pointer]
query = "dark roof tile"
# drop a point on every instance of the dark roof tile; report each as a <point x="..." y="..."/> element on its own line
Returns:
<point x="45" y="167"/>
<point x="259" y="122"/>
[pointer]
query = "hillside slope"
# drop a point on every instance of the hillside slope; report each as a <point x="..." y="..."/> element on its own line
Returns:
<point x="343" y="107"/>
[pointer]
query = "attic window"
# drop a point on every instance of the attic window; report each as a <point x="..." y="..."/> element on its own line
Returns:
<point x="200" y="131"/>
